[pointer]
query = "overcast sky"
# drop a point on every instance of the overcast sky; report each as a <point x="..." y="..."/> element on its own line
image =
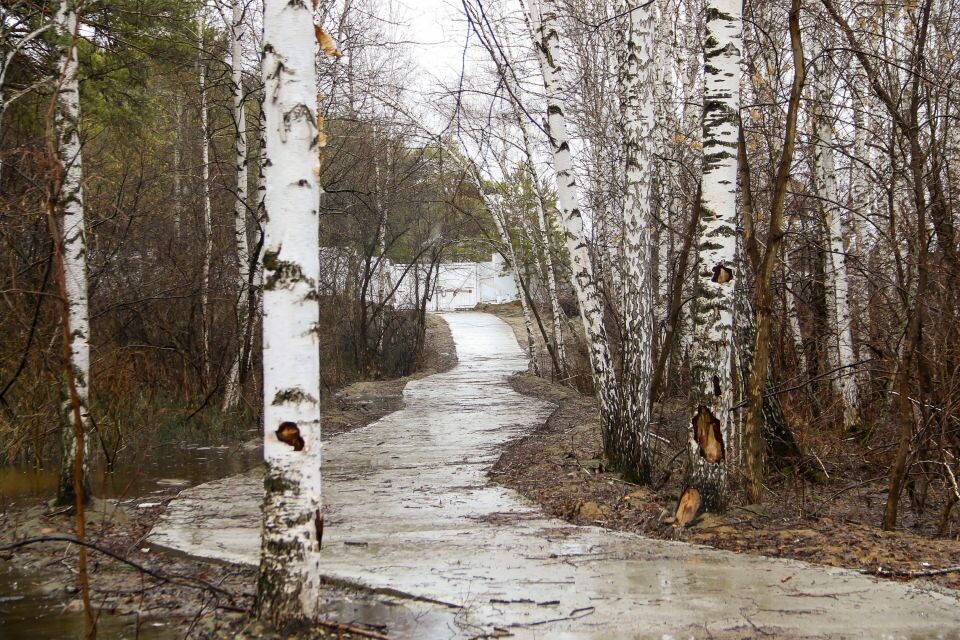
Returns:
<point x="438" y="28"/>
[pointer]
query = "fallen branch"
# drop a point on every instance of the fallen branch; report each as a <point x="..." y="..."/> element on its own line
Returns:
<point x="184" y="581"/>
<point x="357" y="631"/>
<point x="895" y="573"/>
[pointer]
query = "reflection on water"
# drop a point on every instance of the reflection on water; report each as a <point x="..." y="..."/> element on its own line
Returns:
<point x="152" y="471"/>
<point x="28" y="610"/>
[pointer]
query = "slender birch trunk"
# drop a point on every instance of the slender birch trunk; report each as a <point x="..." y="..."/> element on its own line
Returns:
<point x="793" y="318"/>
<point x="711" y="393"/>
<point x="74" y="255"/>
<point x="232" y="391"/>
<point x="177" y="178"/>
<point x="543" y="13"/>
<point x="556" y="311"/>
<point x="382" y="274"/>
<point x="500" y="221"/>
<point x="289" y="580"/>
<point x="207" y="212"/>
<point x="632" y="447"/>
<point x="861" y="200"/>
<point x="255" y="289"/>
<point x="837" y="283"/>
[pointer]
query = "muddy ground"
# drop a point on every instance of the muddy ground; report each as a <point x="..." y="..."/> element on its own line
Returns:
<point x="184" y="597"/>
<point x="833" y="522"/>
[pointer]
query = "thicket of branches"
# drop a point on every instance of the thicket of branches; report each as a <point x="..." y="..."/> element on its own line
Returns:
<point x="169" y="317"/>
<point x="846" y="245"/>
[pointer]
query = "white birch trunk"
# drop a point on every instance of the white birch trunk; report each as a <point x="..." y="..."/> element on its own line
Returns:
<point x="207" y="212"/>
<point x="636" y="85"/>
<point x="177" y="178"/>
<point x="711" y="395"/>
<point x="500" y="221"/>
<point x="837" y="283"/>
<point x="74" y="247"/>
<point x="544" y="232"/>
<point x="289" y="580"/>
<point x="261" y="209"/>
<point x="794" y="320"/>
<point x="232" y="390"/>
<point x="546" y="42"/>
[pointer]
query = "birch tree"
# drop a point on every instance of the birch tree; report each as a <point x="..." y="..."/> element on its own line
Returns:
<point x="207" y="210"/>
<point x="837" y="282"/>
<point x="636" y="85"/>
<point x="289" y="580"/>
<point x="232" y="393"/>
<point x="74" y="254"/>
<point x="711" y="395"/>
<point x="542" y="17"/>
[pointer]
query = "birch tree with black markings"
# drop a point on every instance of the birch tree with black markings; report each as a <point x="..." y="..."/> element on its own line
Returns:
<point x="289" y="580"/>
<point x="542" y="18"/>
<point x="631" y="452"/>
<point x="711" y="436"/>
<point x="237" y="32"/>
<point x="74" y="252"/>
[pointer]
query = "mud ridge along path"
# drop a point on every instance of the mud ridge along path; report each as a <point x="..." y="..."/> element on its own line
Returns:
<point x="410" y="511"/>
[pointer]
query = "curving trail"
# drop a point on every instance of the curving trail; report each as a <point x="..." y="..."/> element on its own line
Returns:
<point x="411" y="512"/>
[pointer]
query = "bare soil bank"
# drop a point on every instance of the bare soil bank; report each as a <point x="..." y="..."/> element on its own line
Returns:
<point x="832" y="523"/>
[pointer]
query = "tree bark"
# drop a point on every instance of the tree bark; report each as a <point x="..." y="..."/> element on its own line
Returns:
<point x="711" y="394"/>
<point x="74" y="241"/>
<point x="589" y="297"/>
<point x="837" y="283"/>
<point x="232" y="390"/>
<point x="289" y="580"/>
<point x="631" y="452"/>
<point x="207" y="212"/>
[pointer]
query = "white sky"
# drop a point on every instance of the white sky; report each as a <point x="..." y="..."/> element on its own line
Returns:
<point x="439" y="30"/>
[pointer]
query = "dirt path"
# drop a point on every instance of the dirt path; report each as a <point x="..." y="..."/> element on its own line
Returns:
<point x="410" y="511"/>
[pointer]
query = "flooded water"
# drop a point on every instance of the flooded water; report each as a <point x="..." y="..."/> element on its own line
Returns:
<point x="153" y="471"/>
<point x="28" y="610"/>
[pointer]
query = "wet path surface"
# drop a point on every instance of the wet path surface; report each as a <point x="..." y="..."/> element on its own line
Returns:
<point x="410" y="511"/>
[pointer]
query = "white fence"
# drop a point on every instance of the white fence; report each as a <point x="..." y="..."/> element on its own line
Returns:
<point x="453" y="285"/>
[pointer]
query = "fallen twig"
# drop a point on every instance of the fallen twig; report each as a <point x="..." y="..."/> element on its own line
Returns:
<point x="175" y="579"/>
<point x="884" y="572"/>
<point x="357" y="631"/>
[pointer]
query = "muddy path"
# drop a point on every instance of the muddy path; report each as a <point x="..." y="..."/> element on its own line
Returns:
<point x="411" y="512"/>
